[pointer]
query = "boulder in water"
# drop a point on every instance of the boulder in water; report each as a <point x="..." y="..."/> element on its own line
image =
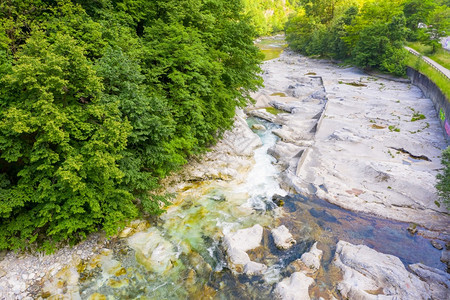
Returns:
<point x="368" y="272"/>
<point x="278" y="200"/>
<point x="312" y="258"/>
<point x="283" y="238"/>
<point x="245" y="239"/>
<point x="253" y="268"/>
<point x="238" y="257"/>
<point x="436" y="245"/>
<point x="295" y="287"/>
<point x="258" y="127"/>
<point x="236" y="244"/>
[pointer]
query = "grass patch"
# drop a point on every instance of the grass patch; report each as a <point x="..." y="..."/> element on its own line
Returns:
<point x="417" y="117"/>
<point x="274" y="111"/>
<point x="440" y="80"/>
<point x="394" y="128"/>
<point x="441" y="56"/>
<point x="271" y="53"/>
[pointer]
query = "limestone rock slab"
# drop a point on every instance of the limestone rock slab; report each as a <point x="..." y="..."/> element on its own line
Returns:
<point x="369" y="274"/>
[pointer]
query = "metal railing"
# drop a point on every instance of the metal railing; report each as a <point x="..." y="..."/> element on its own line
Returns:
<point x="414" y="52"/>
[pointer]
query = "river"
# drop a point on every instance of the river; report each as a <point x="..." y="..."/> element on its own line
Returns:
<point x="191" y="263"/>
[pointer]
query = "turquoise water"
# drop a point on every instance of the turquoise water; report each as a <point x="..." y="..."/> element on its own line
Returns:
<point x="191" y="233"/>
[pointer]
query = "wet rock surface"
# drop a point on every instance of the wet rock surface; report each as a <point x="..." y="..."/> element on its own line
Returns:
<point x="359" y="138"/>
<point x="368" y="273"/>
<point x="152" y="250"/>
<point x="438" y="280"/>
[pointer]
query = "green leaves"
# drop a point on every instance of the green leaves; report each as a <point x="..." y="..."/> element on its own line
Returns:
<point x="443" y="179"/>
<point x="371" y="37"/>
<point x="99" y="101"/>
<point x="59" y="149"/>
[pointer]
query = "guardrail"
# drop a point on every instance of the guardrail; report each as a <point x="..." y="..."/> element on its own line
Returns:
<point x="412" y="51"/>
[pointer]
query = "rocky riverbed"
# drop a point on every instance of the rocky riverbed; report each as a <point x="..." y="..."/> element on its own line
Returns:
<point x="367" y="144"/>
<point x="249" y="219"/>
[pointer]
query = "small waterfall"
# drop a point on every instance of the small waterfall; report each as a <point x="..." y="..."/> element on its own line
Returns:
<point x="262" y="182"/>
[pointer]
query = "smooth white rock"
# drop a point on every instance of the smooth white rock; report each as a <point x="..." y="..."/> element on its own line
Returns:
<point x="245" y="239"/>
<point x="439" y="281"/>
<point x="283" y="238"/>
<point x="253" y="268"/>
<point x="367" y="271"/>
<point x="295" y="287"/>
<point x="238" y="257"/>
<point x="236" y="244"/>
<point x="312" y="258"/>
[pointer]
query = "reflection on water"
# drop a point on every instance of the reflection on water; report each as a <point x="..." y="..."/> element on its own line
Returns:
<point x="271" y="47"/>
<point x="190" y="234"/>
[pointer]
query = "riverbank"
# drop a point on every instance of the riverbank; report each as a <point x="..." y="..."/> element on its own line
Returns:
<point x="376" y="146"/>
<point x="337" y="135"/>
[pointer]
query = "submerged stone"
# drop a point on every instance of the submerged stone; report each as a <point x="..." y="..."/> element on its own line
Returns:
<point x="153" y="251"/>
<point x="258" y="127"/>
<point x="253" y="268"/>
<point x="278" y="200"/>
<point x="97" y="296"/>
<point x="437" y="245"/>
<point x="218" y="198"/>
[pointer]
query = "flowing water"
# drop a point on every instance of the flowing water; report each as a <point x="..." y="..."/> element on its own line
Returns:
<point x="189" y="236"/>
<point x="271" y="47"/>
<point x="186" y="259"/>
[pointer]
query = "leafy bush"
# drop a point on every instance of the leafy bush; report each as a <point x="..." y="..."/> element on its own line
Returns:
<point x="443" y="184"/>
<point x="101" y="99"/>
<point x="370" y="35"/>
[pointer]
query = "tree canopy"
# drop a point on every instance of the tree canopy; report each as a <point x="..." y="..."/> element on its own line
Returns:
<point x="101" y="99"/>
<point x="370" y="33"/>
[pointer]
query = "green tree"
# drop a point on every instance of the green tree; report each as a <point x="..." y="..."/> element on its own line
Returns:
<point x="59" y="148"/>
<point x="148" y="155"/>
<point x="443" y="184"/>
<point x="417" y="11"/>
<point x="438" y="27"/>
<point x="101" y="99"/>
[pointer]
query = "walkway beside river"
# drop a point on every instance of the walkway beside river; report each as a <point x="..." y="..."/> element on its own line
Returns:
<point x="438" y="67"/>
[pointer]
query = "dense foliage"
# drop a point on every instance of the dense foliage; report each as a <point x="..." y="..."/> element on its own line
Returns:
<point x="443" y="184"/>
<point x="268" y="16"/>
<point x="427" y="21"/>
<point x="369" y="33"/>
<point x="100" y="99"/>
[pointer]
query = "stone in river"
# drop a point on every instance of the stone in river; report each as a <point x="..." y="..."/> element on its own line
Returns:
<point x="283" y="238"/>
<point x="295" y="287"/>
<point x="312" y="258"/>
